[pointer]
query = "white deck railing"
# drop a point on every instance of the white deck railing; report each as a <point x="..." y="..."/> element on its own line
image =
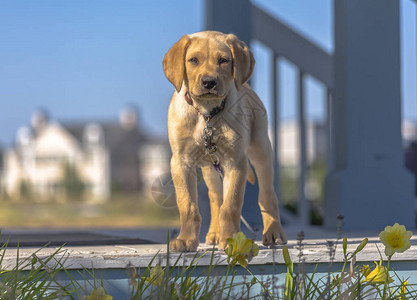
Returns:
<point x="310" y="60"/>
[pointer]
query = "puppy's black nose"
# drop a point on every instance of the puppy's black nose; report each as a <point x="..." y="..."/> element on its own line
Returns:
<point x="208" y="82"/>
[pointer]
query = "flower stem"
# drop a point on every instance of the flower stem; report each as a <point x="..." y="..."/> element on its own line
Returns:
<point x="261" y="283"/>
<point x="384" y="296"/>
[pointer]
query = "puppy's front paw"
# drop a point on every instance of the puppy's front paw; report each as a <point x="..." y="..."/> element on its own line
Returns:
<point x="222" y="245"/>
<point x="181" y="245"/>
<point x="274" y="234"/>
<point x="212" y="238"/>
<point x="224" y="236"/>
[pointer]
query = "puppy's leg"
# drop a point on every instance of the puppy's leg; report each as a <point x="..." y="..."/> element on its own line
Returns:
<point x="215" y="193"/>
<point x="260" y="155"/>
<point x="185" y="182"/>
<point x="233" y="191"/>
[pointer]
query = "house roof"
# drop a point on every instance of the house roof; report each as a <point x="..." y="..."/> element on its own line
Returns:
<point x="114" y="133"/>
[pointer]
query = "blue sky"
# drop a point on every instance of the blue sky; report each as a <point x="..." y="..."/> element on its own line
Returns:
<point x="88" y="59"/>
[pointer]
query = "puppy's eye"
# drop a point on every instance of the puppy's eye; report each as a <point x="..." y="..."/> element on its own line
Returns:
<point x="193" y="60"/>
<point x="222" y="60"/>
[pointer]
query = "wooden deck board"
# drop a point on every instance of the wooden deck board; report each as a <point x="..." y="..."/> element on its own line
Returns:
<point x="120" y="256"/>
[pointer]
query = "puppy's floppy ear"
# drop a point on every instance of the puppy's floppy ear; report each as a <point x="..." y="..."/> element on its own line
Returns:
<point x="174" y="62"/>
<point x="243" y="61"/>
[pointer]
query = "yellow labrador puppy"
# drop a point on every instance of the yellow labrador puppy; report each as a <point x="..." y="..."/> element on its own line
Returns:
<point x="216" y="122"/>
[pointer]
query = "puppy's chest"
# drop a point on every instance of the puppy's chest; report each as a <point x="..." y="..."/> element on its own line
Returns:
<point x="218" y="137"/>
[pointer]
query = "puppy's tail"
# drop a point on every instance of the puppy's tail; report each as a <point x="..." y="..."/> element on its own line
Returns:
<point x="251" y="175"/>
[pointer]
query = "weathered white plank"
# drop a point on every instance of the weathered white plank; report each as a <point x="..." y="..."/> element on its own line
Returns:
<point x="119" y="257"/>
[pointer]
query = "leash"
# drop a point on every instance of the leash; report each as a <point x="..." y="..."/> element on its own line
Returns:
<point x="210" y="146"/>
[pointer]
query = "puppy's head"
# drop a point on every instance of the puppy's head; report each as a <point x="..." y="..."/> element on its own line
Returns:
<point x="208" y="62"/>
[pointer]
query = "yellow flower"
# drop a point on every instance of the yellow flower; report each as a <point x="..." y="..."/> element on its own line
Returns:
<point x="240" y="249"/>
<point x="98" y="294"/>
<point x="378" y="275"/>
<point x="156" y="275"/>
<point x="403" y="290"/>
<point x="395" y="239"/>
<point x="366" y="270"/>
<point x="191" y="288"/>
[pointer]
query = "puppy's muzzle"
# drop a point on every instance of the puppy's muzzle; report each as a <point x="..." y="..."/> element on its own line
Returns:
<point x="208" y="82"/>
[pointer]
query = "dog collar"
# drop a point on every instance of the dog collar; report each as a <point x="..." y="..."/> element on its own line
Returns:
<point x="211" y="114"/>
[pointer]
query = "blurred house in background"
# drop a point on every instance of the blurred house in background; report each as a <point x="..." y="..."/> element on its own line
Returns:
<point x="155" y="159"/>
<point x="88" y="160"/>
